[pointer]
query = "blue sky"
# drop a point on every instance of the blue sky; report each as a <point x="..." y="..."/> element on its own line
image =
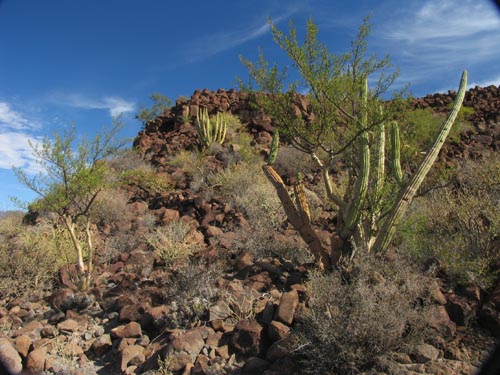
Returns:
<point x="84" y="61"/>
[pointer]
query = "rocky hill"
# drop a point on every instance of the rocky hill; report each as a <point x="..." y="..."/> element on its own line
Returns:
<point x="223" y="308"/>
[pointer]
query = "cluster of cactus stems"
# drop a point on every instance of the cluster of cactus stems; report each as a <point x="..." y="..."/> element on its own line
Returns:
<point x="363" y="221"/>
<point x="210" y="131"/>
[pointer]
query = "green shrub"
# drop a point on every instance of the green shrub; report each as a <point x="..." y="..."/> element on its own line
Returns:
<point x="357" y="316"/>
<point x="459" y="226"/>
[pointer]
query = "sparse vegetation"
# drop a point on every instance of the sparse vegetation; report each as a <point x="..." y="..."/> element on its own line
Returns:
<point x="171" y="242"/>
<point x="459" y="225"/>
<point x="357" y="316"/>
<point x="160" y="104"/>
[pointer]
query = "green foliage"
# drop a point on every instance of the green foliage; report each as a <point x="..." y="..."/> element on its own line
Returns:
<point x="459" y="225"/>
<point x="72" y="177"/>
<point x="342" y="120"/>
<point x="160" y="104"/>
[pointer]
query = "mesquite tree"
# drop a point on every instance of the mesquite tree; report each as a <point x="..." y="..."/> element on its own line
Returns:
<point x="341" y="120"/>
<point x="69" y="182"/>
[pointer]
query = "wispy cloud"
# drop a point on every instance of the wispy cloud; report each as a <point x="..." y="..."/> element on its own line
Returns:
<point x="13" y="120"/>
<point x="15" y="151"/>
<point x="16" y="133"/>
<point x="210" y="45"/>
<point x="445" y="36"/>
<point x="115" y="105"/>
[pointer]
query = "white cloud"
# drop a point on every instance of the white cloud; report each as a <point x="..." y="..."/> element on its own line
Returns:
<point x="15" y="129"/>
<point x="486" y="82"/>
<point x="15" y="151"/>
<point x="215" y="43"/>
<point x="443" y="37"/>
<point x="115" y="105"/>
<point x="11" y="119"/>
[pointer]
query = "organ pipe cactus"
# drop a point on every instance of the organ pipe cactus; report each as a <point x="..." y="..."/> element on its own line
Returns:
<point x="363" y="221"/>
<point x="396" y="153"/>
<point x="210" y="131"/>
<point x="273" y="153"/>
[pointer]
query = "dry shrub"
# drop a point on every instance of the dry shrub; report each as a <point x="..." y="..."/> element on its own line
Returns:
<point x="127" y="160"/>
<point x="31" y="259"/>
<point x="190" y="291"/>
<point x="111" y="207"/>
<point x="245" y="187"/>
<point x="265" y="243"/>
<point x="459" y="226"/>
<point x="355" y="317"/>
<point x="170" y="243"/>
<point x="292" y="160"/>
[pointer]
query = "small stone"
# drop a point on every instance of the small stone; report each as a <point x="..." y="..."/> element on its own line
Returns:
<point x="36" y="360"/>
<point x="102" y="344"/>
<point x="424" y="353"/>
<point x="10" y="358"/>
<point x="23" y="344"/>
<point x="214" y="231"/>
<point x="132" y="355"/>
<point x="68" y="325"/>
<point x="130" y="330"/>
<point x="248" y="338"/>
<point x="288" y="304"/>
<point x="277" y="331"/>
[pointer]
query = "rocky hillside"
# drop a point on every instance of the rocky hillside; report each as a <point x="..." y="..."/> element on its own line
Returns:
<point x="222" y="308"/>
<point x="169" y="133"/>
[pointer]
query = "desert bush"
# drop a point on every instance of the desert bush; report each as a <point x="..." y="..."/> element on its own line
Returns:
<point x="31" y="259"/>
<point x="246" y="188"/>
<point x="264" y="243"/>
<point x="290" y="157"/>
<point x="146" y="179"/>
<point x="126" y="160"/>
<point x="190" y="291"/>
<point x="459" y="225"/>
<point x="357" y="316"/>
<point x="171" y="243"/>
<point x="111" y="207"/>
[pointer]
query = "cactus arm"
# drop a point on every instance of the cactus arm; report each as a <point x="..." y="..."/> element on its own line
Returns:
<point x="273" y="153"/>
<point x="210" y="131"/>
<point x="384" y="237"/>
<point x="396" y="153"/>
<point x="379" y="183"/>
<point x="320" y="253"/>
<point x="353" y="209"/>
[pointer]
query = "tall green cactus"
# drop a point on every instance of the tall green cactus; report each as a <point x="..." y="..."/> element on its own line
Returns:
<point x="210" y="131"/>
<point x="396" y="153"/>
<point x="386" y="233"/>
<point x="273" y="153"/>
<point x="361" y="220"/>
